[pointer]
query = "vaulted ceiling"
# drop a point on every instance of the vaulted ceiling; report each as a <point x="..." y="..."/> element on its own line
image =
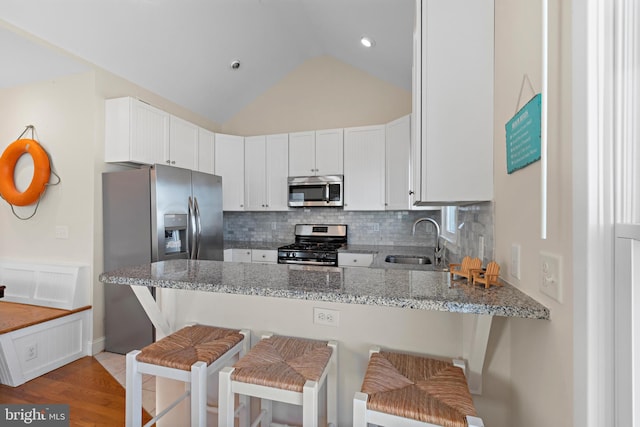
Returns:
<point x="182" y="49"/>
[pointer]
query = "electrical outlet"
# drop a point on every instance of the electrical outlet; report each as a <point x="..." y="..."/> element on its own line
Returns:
<point x="325" y="316"/>
<point x="515" y="261"/>
<point x="31" y="352"/>
<point x="273" y="225"/>
<point x="374" y="227"/>
<point x="551" y="275"/>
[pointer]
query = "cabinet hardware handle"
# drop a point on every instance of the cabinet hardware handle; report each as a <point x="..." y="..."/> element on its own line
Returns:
<point x="411" y="192"/>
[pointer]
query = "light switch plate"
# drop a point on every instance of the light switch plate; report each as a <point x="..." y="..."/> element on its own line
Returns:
<point x="62" y="232"/>
<point x="551" y="275"/>
<point x="515" y="261"/>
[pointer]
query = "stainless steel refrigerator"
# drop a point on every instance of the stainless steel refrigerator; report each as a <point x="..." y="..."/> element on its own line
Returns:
<point x="153" y="214"/>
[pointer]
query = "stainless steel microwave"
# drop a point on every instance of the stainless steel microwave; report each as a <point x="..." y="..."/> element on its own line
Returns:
<point x="315" y="191"/>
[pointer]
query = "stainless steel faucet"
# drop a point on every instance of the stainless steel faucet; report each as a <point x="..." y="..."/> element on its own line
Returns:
<point x="438" y="252"/>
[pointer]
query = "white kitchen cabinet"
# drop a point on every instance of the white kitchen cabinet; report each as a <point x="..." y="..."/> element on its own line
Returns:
<point x="264" y="256"/>
<point x="397" y="163"/>
<point x="261" y="256"/>
<point x="302" y="153"/>
<point x="182" y="150"/>
<point x="346" y="259"/>
<point x="229" y="164"/>
<point x="206" y="151"/>
<point x="329" y="152"/>
<point x="135" y="132"/>
<point x="453" y="108"/>
<point x="266" y="172"/>
<point x="364" y="168"/>
<point x="237" y="255"/>
<point x="316" y="153"/>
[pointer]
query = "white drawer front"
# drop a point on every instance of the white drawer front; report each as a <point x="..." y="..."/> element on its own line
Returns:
<point x="354" y="260"/>
<point x="261" y="255"/>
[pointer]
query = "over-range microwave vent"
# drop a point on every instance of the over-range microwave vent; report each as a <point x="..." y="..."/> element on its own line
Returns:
<point x="318" y="191"/>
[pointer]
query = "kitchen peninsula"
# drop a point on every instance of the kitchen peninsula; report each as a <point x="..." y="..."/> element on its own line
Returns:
<point x="409" y="310"/>
<point x="413" y="289"/>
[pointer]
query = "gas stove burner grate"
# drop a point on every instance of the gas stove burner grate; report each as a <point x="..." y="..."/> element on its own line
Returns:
<point x="314" y="245"/>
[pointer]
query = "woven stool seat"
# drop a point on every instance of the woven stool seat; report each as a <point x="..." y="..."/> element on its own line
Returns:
<point x="283" y="362"/>
<point x="189" y="345"/>
<point x="282" y="369"/>
<point x="419" y="388"/>
<point x="190" y="355"/>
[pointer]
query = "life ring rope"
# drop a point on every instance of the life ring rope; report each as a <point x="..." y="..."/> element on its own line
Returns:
<point x="41" y="174"/>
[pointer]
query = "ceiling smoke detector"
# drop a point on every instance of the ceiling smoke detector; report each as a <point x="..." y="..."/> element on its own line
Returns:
<point x="235" y="64"/>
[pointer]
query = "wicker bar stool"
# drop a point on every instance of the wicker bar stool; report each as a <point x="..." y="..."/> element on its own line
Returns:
<point x="403" y="390"/>
<point x="189" y="355"/>
<point x="283" y="369"/>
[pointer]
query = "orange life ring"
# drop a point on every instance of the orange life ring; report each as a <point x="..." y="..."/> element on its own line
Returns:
<point x="41" y="172"/>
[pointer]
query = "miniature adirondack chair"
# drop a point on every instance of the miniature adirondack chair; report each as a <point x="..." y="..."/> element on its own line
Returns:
<point x="488" y="276"/>
<point x="464" y="268"/>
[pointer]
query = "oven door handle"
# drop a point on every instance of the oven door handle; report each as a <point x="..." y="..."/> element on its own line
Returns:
<point x="326" y="193"/>
<point x="289" y="261"/>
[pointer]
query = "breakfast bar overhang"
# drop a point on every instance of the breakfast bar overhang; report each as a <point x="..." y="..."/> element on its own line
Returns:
<point x="406" y="289"/>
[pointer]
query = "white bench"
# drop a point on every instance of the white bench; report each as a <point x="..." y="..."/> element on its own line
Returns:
<point x="54" y="329"/>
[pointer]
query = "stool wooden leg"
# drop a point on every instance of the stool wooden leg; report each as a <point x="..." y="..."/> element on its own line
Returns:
<point x="266" y="412"/>
<point x="360" y="409"/>
<point x="225" y="398"/>
<point x="133" y="391"/>
<point x="199" y="394"/>
<point x="332" y="386"/>
<point x="310" y="404"/>
<point x="244" y="416"/>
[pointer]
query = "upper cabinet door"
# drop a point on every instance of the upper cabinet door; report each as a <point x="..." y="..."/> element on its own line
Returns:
<point x="266" y="172"/>
<point x="135" y="132"/>
<point x="398" y="148"/>
<point x="302" y="158"/>
<point x="329" y="152"/>
<point x="229" y="164"/>
<point x="183" y="144"/>
<point x="254" y="173"/>
<point x="364" y="165"/>
<point x="277" y="161"/>
<point x="454" y="73"/>
<point x="206" y="151"/>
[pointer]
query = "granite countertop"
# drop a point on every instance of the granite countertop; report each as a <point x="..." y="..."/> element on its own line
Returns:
<point x="413" y="289"/>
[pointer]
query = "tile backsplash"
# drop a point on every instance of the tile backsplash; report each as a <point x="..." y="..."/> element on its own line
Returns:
<point x="369" y="227"/>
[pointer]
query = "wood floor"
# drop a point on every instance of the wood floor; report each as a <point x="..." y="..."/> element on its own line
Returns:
<point x="94" y="397"/>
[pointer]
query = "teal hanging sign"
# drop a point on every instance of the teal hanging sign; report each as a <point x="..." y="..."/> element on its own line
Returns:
<point x="523" y="136"/>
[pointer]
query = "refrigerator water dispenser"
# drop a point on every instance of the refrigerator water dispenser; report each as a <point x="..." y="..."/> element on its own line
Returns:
<point x="175" y="233"/>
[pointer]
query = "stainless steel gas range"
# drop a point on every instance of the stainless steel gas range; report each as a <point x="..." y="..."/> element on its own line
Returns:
<point x="315" y="244"/>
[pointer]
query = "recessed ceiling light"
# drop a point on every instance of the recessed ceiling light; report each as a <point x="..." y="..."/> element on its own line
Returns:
<point x="235" y="64"/>
<point x="367" y="41"/>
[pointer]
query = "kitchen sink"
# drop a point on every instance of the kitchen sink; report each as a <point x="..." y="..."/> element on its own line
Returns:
<point x="407" y="259"/>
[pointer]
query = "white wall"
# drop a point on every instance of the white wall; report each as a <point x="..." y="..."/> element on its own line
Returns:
<point x="541" y="351"/>
<point x="61" y="111"/>
<point x="322" y="93"/>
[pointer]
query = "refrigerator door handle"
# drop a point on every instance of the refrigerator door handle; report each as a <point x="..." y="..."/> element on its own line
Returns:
<point x="198" y="230"/>
<point x="191" y="239"/>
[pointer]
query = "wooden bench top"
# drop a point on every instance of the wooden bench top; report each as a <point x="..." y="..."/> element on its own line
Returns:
<point x="15" y="316"/>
